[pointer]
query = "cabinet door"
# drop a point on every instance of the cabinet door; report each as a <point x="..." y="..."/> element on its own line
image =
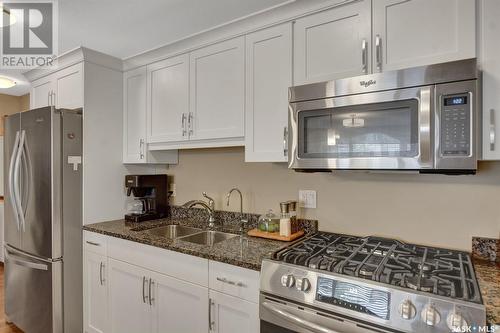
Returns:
<point x="217" y="90"/>
<point x="490" y="63"/>
<point x="168" y="99"/>
<point x="333" y="44"/>
<point x="268" y="76"/>
<point x="178" y="306"/>
<point x="41" y="92"/>
<point x="129" y="309"/>
<point x="134" y="116"/>
<point x="95" y="293"/>
<point x="68" y="87"/>
<point x="231" y="314"/>
<point x="420" y="32"/>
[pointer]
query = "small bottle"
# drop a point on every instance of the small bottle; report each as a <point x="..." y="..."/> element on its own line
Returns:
<point x="285" y="225"/>
<point x="293" y="216"/>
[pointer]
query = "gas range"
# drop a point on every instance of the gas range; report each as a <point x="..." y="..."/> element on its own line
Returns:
<point x="340" y="283"/>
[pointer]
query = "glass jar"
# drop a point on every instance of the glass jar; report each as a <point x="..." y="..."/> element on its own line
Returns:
<point x="269" y="222"/>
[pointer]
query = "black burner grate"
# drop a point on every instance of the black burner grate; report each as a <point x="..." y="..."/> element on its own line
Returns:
<point x="434" y="270"/>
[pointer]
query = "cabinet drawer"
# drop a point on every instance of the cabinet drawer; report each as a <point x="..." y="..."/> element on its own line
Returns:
<point x="235" y="281"/>
<point x="181" y="266"/>
<point x="95" y="242"/>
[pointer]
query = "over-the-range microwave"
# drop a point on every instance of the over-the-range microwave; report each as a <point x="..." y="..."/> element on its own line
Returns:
<point x="423" y="119"/>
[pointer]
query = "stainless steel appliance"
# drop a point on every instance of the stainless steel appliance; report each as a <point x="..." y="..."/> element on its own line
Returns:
<point x="152" y="192"/>
<point x="339" y="283"/>
<point x="423" y="118"/>
<point x="43" y="220"/>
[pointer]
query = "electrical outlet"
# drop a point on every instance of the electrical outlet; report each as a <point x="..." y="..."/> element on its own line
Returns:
<point x="307" y="198"/>
<point x="172" y="189"/>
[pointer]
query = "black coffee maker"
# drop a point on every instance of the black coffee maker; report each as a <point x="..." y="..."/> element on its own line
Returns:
<point x="151" y="197"/>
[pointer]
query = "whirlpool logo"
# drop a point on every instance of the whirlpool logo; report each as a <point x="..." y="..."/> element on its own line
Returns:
<point x="368" y="83"/>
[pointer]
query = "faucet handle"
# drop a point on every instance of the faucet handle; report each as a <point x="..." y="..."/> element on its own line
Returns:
<point x="210" y="200"/>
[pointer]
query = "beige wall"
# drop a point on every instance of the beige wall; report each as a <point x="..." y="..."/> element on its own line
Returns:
<point x="428" y="209"/>
<point x="12" y="104"/>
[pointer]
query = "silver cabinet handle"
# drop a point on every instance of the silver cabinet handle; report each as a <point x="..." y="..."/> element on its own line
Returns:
<point x="101" y="273"/>
<point x="49" y="98"/>
<point x="296" y="320"/>
<point x="492" y="129"/>
<point x="190" y="123"/>
<point x="92" y="243"/>
<point x="211" y="323"/>
<point x="378" y="52"/>
<point x="141" y="149"/>
<point x="183" y="124"/>
<point x="150" y="291"/>
<point x="364" y="56"/>
<point x="144" y="297"/>
<point x="285" y="141"/>
<point x="233" y="283"/>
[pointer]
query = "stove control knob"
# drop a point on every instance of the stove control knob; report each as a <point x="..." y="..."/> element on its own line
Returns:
<point x="303" y="284"/>
<point x="431" y="316"/>
<point x="287" y="280"/>
<point x="407" y="310"/>
<point x="456" y="321"/>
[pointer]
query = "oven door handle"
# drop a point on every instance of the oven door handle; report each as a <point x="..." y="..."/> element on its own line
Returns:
<point x="296" y="320"/>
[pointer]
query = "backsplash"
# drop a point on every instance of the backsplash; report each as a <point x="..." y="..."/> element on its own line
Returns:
<point x="486" y="248"/>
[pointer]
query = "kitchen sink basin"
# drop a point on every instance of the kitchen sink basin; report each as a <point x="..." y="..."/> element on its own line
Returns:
<point x="208" y="238"/>
<point x="173" y="231"/>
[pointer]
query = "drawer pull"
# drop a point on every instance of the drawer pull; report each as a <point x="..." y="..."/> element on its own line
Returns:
<point x="92" y="243"/>
<point x="233" y="283"/>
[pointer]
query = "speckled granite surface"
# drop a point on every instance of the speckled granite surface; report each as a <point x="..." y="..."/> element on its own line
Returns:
<point x="244" y="251"/>
<point x="486" y="248"/>
<point x="488" y="275"/>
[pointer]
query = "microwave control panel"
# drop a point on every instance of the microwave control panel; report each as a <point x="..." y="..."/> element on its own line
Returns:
<point x="455" y="125"/>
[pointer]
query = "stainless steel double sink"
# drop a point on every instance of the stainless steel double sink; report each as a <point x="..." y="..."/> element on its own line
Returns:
<point x="189" y="234"/>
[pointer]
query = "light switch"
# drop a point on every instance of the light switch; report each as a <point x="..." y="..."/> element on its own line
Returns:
<point x="307" y="198"/>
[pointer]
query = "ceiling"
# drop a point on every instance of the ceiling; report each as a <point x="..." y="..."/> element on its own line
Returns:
<point x="124" y="28"/>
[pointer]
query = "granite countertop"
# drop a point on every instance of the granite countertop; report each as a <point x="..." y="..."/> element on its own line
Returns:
<point x="488" y="275"/>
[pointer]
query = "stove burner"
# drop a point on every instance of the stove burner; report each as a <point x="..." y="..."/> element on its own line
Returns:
<point x="442" y="272"/>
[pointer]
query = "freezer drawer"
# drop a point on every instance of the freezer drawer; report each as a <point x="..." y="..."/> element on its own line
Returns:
<point x="33" y="292"/>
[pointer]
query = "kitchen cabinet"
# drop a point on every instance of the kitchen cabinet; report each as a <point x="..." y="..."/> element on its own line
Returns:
<point x="128" y="299"/>
<point x="333" y="43"/>
<point x="62" y="89"/>
<point x="217" y="92"/>
<point x="168" y="100"/>
<point x="135" y="149"/>
<point x="95" y="293"/>
<point x="178" y="306"/>
<point x="408" y="33"/>
<point x="268" y="76"/>
<point x="230" y="314"/>
<point x="490" y="65"/>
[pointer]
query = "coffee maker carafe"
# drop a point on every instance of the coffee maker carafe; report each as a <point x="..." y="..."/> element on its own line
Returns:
<point x="151" y="197"/>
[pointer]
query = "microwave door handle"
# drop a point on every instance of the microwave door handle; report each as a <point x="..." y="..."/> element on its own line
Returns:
<point x="424" y="128"/>
<point x="12" y="196"/>
<point x="296" y="320"/>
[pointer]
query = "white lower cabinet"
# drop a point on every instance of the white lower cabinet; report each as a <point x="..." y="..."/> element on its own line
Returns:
<point x="128" y="299"/>
<point x="95" y="291"/>
<point x="230" y="314"/>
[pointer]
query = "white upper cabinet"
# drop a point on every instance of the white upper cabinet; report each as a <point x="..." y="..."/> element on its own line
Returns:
<point x="419" y="32"/>
<point x="333" y="44"/>
<point x="217" y="92"/>
<point x="68" y="87"/>
<point x="168" y="100"/>
<point x="490" y="65"/>
<point x="268" y="76"/>
<point x="41" y="92"/>
<point x="134" y="116"/>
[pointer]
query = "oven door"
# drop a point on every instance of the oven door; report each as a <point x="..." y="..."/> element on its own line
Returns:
<point x="278" y="316"/>
<point x="382" y="130"/>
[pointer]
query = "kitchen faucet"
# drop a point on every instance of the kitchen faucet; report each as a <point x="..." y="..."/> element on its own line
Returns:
<point x="208" y="206"/>
<point x="228" y="196"/>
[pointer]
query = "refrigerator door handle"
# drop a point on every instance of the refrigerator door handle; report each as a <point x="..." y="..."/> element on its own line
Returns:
<point x="17" y="166"/>
<point x="11" y="179"/>
<point x="27" y="171"/>
<point x="17" y="260"/>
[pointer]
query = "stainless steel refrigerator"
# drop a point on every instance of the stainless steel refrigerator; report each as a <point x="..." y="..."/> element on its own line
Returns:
<point x="43" y="220"/>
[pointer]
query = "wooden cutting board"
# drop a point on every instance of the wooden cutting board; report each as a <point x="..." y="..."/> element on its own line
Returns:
<point x="275" y="235"/>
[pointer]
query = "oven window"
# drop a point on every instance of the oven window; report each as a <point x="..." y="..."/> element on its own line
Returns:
<point x="388" y="129"/>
